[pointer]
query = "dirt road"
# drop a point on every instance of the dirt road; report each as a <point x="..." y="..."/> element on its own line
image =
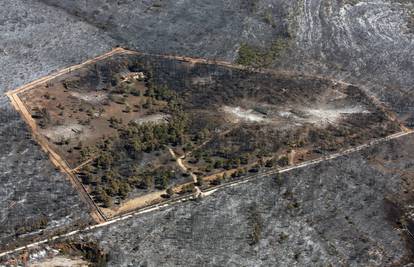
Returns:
<point x="311" y="162"/>
<point x="55" y="158"/>
<point x="96" y="213"/>
<point x="211" y="191"/>
<point x="180" y="163"/>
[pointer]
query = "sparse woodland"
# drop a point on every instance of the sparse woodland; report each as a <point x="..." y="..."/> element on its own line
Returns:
<point x="131" y="157"/>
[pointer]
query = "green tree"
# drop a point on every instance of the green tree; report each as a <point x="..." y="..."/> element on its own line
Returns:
<point x="170" y="191"/>
<point x="103" y="197"/>
<point x="200" y="181"/>
<point x="149" y="181"/>
<point x="124" y="189"/>
<point x="269" y="163"/>
<point x="218" y="164"/>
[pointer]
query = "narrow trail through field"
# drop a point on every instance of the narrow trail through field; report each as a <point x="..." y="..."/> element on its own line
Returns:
<point x="180" y="163"/>
<point x="83" y="164"/>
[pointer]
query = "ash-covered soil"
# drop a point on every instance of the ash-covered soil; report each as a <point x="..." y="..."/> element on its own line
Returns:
<point x="35" y="40"/>
<point x="370" y="42"/>
<point x="210" y="29"/>
<point x="309" y="115"/>
<point x="346" y="212"/>
<point x="364" y="42"/>
<point x="359" y="41"/>
<point x="36" y="199"/>
<point x="334" y="213"/>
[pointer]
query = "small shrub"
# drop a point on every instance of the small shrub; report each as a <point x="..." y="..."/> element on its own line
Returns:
<point x="248" y="55"/>
<point x="46" y="95"/>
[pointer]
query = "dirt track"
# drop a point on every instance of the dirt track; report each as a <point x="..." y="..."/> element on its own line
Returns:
<point x="59" y="163"/>
<point x="96" y="213"/>
<point x="209" y="192"/>
<point x="180" y="163"/>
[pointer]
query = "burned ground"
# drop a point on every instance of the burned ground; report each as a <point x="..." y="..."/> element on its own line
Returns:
<point x="34" y="195"/>
<point x="362" y="42"/>
<point x="37" y="200"/>
<point x="124" y="119"/>
<point x="292" y="219"/>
